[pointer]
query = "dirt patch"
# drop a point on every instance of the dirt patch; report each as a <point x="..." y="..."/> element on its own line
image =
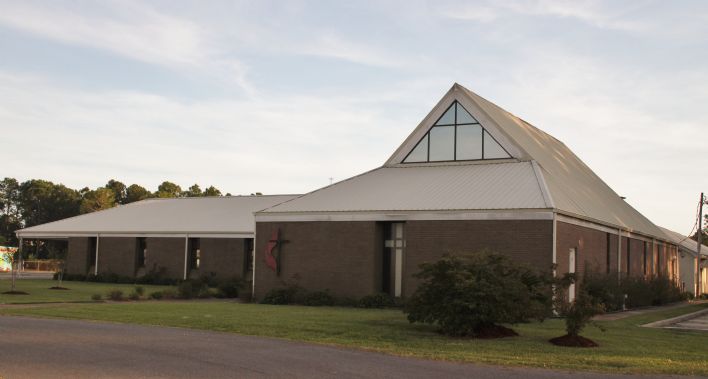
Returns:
<point x="15" y="293"/>
<point x="58" y="288"/>
<point x="573" y="341"/>
<point x="494" y="331"/>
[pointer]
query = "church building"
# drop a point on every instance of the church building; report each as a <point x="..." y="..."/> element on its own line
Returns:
<point x="471" y="176"/>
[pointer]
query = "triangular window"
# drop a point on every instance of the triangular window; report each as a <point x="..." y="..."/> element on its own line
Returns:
<point x="456" y="136"/>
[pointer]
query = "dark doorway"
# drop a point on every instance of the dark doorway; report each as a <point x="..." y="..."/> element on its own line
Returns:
<point x="93" y="243"/>
<point x="247" y="257"/>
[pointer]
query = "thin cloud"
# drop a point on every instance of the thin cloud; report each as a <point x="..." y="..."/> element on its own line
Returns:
<point x="128" y="29"/>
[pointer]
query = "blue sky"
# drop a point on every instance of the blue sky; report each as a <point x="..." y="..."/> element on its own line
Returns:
<point x="278" y="97"/>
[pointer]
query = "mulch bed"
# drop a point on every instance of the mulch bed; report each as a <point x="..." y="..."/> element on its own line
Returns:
<point x="494" y="331"/>
<point x="15" y="293"/>
<point x="573" y="341"/>
<point x="58" y="288"/>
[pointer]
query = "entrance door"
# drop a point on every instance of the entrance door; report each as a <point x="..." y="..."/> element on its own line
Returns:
<point x="393" y="259"/>
<point x="571" y="269"/>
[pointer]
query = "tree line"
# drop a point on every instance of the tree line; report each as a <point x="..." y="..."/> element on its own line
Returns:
<point x="38" y="201"/>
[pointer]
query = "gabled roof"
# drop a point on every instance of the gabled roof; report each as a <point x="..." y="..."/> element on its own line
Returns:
<point x="424" y="188"/>
<point x="685" y="242"/>
<point x="229" y="215"/>
<point x="567" y="184"/>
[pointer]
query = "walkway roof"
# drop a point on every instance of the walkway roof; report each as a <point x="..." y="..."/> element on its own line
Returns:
<point x="227" y="216"/>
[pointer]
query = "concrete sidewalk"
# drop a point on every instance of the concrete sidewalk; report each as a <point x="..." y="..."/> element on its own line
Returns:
<point x="634" y="312"/>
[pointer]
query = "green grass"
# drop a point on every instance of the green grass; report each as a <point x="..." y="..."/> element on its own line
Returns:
<point x="39" y="292"/>
<point x="624" y="347"/>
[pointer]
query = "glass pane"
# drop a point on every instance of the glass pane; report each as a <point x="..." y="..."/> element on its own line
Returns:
<point x="492" y="150"/>
<point x="464" y="117"/>
<point x="469" y="142"/>
<point x="420" y="153"/>
<point x="448" y="118"/>
<point x="442" y="143"/>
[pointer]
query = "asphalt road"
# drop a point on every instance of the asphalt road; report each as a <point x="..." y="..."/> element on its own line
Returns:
<point x="46" y="348"/>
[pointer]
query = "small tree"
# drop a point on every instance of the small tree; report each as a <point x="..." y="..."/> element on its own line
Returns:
<point x="578" y="313"/>
<point x="10" y="258"/>
<point x="472" y="295"/>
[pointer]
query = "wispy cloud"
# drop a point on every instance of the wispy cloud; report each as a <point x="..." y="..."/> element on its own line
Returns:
<point x="595" y="13"/>
<point x="129" y="29"/>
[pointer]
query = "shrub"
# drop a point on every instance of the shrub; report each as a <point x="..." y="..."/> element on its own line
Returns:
<point x="156" y="275"/>
<point x="157" y="295"/>
<point x="610" y="291"/>
<point x="115" y="295"/>
<point x="230" y="288"/>
<point x="379" y="300"/>
<point x="471" y="295"/>
<point x="96" y="297"/>
<point x="285" y="295"/>
<point x="580" y="312"/>
<point x="139" y="290"/>
<point x="190" y="289"/>
<point x="604" y="288"/>
<point x="318" y="298"/>
<point x="134" y="296"/>
<point x="346" y="302"/>
<point x="169" y="294"/>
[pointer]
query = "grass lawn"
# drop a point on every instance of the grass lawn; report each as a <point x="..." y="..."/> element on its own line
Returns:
<point x="39" y="292"/>
<point x="624" y="347"/>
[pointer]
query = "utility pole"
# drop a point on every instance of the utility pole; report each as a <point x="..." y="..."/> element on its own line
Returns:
<point x="698" y="249"/>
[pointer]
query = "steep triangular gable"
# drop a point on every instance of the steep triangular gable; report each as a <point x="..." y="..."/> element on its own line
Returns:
<point x="456" y="136"/>
<point x="455" y="130"/>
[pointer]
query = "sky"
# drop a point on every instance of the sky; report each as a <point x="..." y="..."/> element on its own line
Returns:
<point x="283" y="97"/>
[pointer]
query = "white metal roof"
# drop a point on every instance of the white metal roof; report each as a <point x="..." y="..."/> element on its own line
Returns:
<point x="419" y="188"/>
<point x="685" y="242"/>
<point x="228" y="216"/>
<point x="566" y="184"/>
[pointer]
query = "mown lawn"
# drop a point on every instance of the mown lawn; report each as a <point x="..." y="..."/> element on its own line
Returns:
<point x="39" y="292"/>
<point x="624" y="346"/>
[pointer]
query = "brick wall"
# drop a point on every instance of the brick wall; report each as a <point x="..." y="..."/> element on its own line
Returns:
<point x="526" y="241"/>
<point x="77" y="256"/>
<point x="117" y="255"/>
<point x="339" y="256"/>
<point x="222" y="256"/>
<point x="591" y="249"/>
<point x="167" y="252"/>
<point x="346" y="257"/>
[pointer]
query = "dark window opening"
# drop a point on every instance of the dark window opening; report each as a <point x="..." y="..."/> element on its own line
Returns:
<point x="247" y="256"/>
<point x="386" y="262"/>
<point x="644" y="260"/>
<point x="142" y="251"/>
<point x="629" y="251"/>
<point x="93" y="243"/>
<point x="195" y="254"/>
<point x="608" y="253"/>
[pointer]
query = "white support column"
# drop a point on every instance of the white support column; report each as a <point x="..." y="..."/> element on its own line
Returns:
<point x="253" y="262"/>
<point x="95" y="268"/>
<point x="186" y="254"/>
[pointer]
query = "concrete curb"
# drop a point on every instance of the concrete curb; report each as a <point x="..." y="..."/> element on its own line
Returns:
<point x="675" y="320"/>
